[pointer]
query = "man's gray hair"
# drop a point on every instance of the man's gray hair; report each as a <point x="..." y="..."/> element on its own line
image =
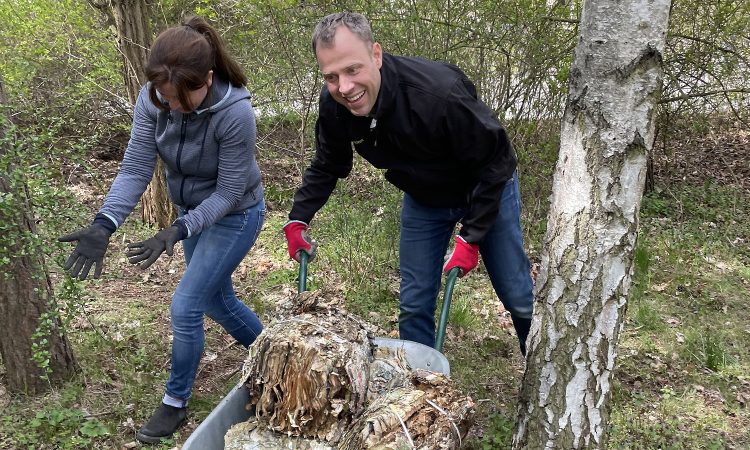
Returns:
<point x="326" y="29"/>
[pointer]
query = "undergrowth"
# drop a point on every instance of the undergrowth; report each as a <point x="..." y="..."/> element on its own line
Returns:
<point x="682" y="379"/>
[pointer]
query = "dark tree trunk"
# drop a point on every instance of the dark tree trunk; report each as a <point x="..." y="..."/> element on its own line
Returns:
<point x="26" y="297"/>
<point x="131" y="19"/>
<point x="133" y="38"/>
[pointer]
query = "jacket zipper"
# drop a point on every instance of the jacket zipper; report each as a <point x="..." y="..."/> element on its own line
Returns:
<point x="179" y="157"/>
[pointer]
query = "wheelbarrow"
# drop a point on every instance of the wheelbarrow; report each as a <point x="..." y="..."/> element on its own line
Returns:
<point x="231" y="409"/>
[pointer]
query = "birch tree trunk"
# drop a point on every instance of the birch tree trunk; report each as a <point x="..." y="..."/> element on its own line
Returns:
<point x="581" y="293"/>
<point x="131" y="19"/>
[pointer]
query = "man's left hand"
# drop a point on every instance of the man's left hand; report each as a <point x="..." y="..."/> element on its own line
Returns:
<point x="149" y="250"/>
<point x="465" y="256"/>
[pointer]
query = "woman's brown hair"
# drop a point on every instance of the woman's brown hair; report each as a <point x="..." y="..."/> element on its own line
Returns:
<point x="182" y="56"/>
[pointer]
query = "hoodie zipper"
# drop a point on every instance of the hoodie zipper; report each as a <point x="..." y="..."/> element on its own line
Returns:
<point x="203" y="142"/>
<point x="179" y="156"/>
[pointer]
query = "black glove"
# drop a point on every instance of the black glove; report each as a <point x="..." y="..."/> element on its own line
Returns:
<point x="92" y="244"/>
<point x="149" y="250"/>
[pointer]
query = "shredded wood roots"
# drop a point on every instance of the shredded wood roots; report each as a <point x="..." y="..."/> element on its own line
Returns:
<point x="318" y="383"/>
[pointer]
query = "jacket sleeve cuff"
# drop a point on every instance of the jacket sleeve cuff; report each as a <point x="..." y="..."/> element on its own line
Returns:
<point x="182" y="226"/>
<point x="474" y="245"/>
<point x="467" y="236"/>
<point x="296" y="221"/>
<point x="106" y="222"/>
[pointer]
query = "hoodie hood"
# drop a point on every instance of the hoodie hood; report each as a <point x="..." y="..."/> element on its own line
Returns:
<point x="222" y="95"/>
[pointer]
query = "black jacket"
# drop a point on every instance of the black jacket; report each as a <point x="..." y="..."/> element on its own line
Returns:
<point x="435" y="139"/>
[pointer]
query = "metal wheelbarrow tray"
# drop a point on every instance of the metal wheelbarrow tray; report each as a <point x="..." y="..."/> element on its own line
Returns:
<point x="231" y="409"/>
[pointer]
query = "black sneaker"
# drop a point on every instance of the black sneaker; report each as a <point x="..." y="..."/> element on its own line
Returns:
<point x="163" y="423"/>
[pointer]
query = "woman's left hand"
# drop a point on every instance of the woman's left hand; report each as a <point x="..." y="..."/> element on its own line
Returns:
<point x="149" y="250"/>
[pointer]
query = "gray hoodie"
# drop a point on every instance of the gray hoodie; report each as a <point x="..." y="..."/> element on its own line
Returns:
<point x="209" y="156"/>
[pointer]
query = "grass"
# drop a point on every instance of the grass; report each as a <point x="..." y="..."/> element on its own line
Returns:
<point x="683" y="373"/>
<point x="684" y="356"/>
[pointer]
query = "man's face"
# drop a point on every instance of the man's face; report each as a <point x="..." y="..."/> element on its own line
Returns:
<point x="351" y="71"/>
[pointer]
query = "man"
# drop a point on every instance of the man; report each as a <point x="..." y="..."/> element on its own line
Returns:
<point x="422" y="122"/>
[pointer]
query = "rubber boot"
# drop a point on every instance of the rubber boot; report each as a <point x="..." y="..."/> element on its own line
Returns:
<point x="163" y="423"/>
<point x="522" y="327"/>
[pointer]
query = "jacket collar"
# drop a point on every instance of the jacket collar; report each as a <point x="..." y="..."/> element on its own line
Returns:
<point x="389" y="81"/>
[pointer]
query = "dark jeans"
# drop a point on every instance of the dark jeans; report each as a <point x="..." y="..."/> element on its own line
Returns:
<point x="425" y="235"/>
<point x="206" y="288"/>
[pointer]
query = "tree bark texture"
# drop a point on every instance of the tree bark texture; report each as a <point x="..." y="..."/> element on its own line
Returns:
<point x="131" y="19"/>
<point x="581" y="292"/>
<point x="133" y="39"/>
<point x="157" y="208"/>
<point x="317" y="382"/>
<point x="25" y="296"/>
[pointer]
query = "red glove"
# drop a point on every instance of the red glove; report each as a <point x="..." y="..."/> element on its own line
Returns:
<point x="465" y="256"/>
<point x="297" y="240"/>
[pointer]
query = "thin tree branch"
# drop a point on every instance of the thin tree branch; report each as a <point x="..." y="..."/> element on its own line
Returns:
<point x="703" y="94"/>
<point x="102" y="5"/>
<point x="707" y="42"/>
<point x="561" y="19"/>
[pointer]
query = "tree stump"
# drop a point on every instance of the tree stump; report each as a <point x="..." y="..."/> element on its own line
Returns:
<point x="317" y="382"/>
<point x="428" y="413"/>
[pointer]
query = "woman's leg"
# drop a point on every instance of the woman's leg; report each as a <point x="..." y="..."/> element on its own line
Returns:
<point x="211" y="258"/>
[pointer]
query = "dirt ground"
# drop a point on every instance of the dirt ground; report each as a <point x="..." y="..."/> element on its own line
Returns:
<point x="721" y="153"/>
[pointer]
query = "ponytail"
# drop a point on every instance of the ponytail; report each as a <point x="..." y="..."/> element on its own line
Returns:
<point x="224" y="65"/>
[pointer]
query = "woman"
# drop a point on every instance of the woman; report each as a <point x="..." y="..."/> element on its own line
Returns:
<point x="196" y="114"/>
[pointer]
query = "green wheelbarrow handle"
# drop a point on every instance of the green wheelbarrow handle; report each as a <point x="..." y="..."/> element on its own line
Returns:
<point x="447" y="295"/>
<point x="444" y="311"/>
<point x="303" y="259"/>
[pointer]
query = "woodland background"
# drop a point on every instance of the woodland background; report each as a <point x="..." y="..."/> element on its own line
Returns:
<point x="683" y="375"/>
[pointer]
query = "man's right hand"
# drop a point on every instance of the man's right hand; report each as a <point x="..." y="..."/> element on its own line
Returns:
<point x="297" y="240"/>
<point x="91" y="247"/>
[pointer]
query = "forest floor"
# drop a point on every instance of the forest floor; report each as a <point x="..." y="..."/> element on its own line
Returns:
<point x="682" y="377"/>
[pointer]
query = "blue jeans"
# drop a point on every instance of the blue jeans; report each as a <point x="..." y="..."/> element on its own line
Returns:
<point x="206" y="288"/>
<point x="425" y="235"/>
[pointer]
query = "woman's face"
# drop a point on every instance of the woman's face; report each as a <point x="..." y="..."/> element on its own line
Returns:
<point x="168" y="93"/>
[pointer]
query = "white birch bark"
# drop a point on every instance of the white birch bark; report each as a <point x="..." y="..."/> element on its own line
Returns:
<point x="581" y="293"/>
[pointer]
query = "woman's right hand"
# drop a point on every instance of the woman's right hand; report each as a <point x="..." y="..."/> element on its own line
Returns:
<point x="91" y="247"/>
